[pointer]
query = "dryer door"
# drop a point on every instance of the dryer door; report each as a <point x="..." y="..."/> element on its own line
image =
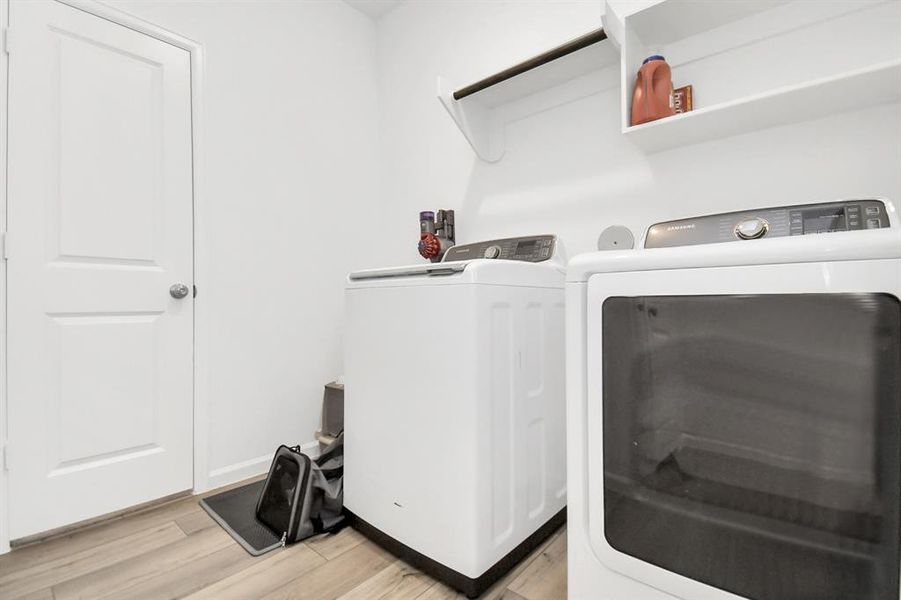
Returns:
<point x="744" y="429"/>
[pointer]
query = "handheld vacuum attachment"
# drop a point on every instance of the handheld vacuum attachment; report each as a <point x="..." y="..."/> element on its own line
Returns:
<point x="436" y="234"/>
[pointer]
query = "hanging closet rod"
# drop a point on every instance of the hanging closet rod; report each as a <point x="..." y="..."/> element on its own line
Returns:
<point x="592" y="37"/>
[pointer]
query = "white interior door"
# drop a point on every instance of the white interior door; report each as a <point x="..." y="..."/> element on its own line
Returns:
<point x="100" y="227"/>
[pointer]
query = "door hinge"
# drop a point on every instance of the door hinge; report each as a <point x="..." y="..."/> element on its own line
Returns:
<point x="6" y="43"/>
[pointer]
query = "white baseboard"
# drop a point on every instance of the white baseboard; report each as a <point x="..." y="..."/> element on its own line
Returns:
<point x="250" y="468"/>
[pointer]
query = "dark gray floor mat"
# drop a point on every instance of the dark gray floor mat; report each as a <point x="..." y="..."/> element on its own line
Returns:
<point x="235" y="510"/>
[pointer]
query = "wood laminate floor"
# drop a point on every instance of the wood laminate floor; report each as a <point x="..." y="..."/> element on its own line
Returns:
<point x="176" y="551"/>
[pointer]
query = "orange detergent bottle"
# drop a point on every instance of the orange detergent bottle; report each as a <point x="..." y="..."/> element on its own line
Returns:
<point x="653" y="95"/>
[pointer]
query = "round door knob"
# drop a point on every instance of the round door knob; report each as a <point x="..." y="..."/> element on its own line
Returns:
<point x="751" y="229"/>
<point x="492" y="252"/>
<point x="179" y="290"/>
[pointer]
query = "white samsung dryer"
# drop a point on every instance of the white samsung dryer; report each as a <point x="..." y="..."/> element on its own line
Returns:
<point x="734" y="409"/>
<point x="455" y="407"/>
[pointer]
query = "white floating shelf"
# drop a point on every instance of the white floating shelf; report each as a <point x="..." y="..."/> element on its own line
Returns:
<point x="879" y="84"/>
<point x="560" y="75"/>
<point x="755" y="64"/>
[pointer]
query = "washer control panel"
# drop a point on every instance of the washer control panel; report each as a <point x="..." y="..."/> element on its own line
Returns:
<point x="804" y="219"/>
<point x="533" y="248"/>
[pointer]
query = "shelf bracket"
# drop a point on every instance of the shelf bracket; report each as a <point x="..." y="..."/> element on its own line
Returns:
<point x="477" y="123"/>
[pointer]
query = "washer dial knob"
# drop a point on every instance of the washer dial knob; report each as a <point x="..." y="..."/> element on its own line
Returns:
<point x="751" y="229"/>
<point x="492" y="252"/>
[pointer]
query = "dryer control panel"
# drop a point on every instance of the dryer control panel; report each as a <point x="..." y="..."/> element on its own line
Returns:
<point x="803" y="219"/>
<point x="534" y="248"/>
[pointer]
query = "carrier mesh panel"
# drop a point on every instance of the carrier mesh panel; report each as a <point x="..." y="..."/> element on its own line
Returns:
<point x="277" y="502"/>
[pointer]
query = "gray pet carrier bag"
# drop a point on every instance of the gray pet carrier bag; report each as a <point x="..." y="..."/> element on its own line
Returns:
<point x="304" y="496"/>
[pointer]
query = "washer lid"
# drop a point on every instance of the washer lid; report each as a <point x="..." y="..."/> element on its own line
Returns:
<point x="478" y="271"/>
<point x="431" y="269"/>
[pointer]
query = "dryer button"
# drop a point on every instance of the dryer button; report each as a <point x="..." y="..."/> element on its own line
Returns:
<point x="492" y="252"/>
<point x="751" y="229"/>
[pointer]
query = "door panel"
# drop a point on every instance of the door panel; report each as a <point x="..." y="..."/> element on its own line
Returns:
<point x="100" y="225"/>
<point x="107" y="366"/>
<point x="107" y="96"/>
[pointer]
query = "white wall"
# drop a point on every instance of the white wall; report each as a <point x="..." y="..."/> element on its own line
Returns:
<point x="568" y="170"/>
<point x="288" y="172"/>
<point x="307" y="176"/>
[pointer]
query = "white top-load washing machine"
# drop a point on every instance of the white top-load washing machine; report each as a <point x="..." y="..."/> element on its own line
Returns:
<point x="454" y="407"/>
<point x="734" y="409"/>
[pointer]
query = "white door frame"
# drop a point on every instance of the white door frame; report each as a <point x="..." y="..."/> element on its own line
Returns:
<point x="201" y="407"/>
